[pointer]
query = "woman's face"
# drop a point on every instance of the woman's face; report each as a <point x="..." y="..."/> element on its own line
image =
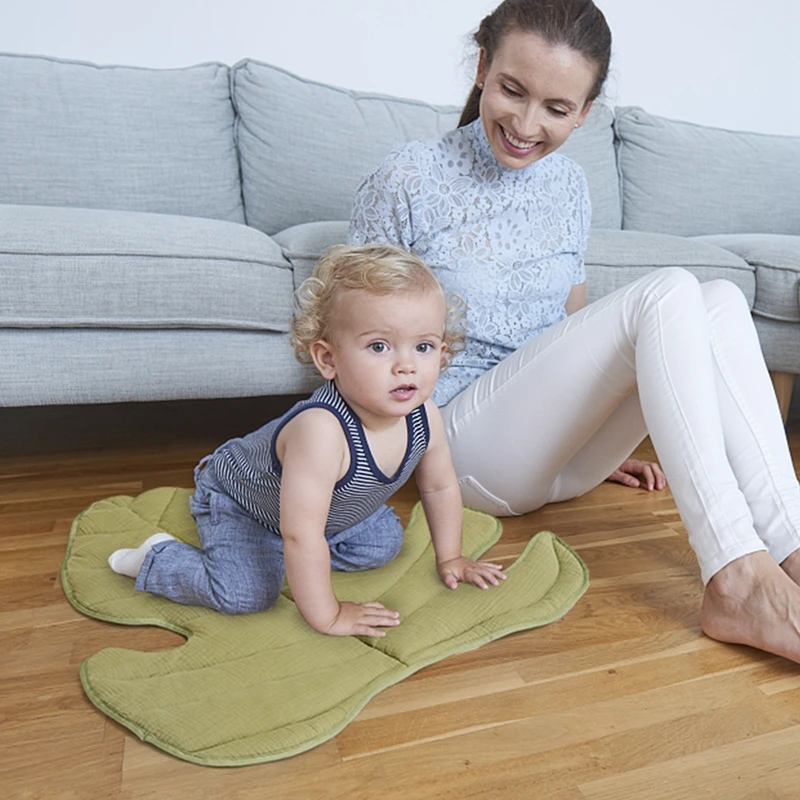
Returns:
<point x="534" y="95"/>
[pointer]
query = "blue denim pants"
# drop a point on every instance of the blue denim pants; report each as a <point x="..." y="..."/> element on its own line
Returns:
<point x="239" y="568"/>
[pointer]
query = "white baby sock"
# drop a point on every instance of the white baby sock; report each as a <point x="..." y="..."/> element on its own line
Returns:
<point x="129" y="560"/>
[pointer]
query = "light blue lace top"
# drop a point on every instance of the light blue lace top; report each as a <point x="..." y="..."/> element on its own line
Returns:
<point x="510" y="242"/>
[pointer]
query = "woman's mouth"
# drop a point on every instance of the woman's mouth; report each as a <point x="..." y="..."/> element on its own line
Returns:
<point x="518" y="147"/>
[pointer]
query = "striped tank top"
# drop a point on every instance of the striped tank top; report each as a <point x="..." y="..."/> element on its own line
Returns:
<point x="248" y="469"/>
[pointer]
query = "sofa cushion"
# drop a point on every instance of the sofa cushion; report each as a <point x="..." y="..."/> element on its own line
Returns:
<point x="159" y="140"/>
<point x="302" y="245"/>
<point x="780" y="344"/>
<point x="688" y="180"/>
<point x="776" y="260"/>
<point x="615" y="258"/>
<point x="47" y="367"/>
<point x="69" y="268"/>
<point x="305" y="146"/>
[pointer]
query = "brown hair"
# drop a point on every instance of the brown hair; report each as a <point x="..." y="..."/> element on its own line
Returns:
<point x="578" y="24"/>
<point x="379" y="269"/>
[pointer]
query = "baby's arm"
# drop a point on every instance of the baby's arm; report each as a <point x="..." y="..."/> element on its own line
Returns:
<point x="313" y="453"/>
<point x="441" y="499"/>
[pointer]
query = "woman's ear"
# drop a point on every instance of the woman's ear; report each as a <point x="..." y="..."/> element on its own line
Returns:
<point x="584" y="112"/>
<point x="480" y="78"/>
<point x="321" y="353"/>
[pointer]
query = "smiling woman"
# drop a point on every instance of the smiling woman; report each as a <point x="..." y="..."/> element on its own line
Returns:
<point x="527" y="107"/>
<point x="550" y="396"/>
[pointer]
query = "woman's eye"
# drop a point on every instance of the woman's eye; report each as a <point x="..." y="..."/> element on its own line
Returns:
<point x="378" y="347"/>
<point x="558" y="112"/>
<point x="510" y="92"/>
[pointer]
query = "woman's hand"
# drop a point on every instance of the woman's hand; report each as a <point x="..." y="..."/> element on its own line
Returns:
<point x="481" y="573"/>
<point x="362" y="619"/>
<point x="637" y="473"/>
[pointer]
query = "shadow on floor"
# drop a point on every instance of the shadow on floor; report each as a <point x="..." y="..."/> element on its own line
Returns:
<point x="47" y="429"/>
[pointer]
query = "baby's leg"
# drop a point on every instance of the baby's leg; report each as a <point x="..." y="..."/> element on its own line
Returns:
<point x="238" y="570"/>
<point x="368" y="544"/>
<point x="129" y="560"/>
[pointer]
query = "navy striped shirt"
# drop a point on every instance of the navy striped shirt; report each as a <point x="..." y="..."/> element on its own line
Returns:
<point x="249" y="471"/>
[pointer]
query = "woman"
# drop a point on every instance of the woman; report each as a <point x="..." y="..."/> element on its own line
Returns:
<point x="549" y="395"/>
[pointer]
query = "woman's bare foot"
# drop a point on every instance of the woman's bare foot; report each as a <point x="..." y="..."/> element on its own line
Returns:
<point x="791" y="566"/>
<point x="753" y="601"/>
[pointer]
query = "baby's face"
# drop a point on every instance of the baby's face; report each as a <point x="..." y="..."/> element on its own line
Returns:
<point x="386" y="351"/>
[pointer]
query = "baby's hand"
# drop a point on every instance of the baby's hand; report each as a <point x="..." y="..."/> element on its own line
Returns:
<point x="361" y="619"/>
<point x="469" y="571"/>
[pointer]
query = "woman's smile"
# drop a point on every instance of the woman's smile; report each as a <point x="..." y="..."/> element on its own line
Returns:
<point x="515" y="145"/>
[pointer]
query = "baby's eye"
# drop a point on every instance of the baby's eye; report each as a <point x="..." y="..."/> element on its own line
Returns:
<point x="424" y="347"/>
<point x="378" y="347"/>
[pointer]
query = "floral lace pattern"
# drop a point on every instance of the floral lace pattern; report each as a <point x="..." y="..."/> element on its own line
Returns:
<point x="510" y="242"/>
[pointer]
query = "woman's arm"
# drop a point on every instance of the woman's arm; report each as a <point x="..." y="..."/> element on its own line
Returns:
<point x="441" y="499"/>
<point x="382" y="206"/>
<point x="576" y="300"/>
<point x="314" y="454"/>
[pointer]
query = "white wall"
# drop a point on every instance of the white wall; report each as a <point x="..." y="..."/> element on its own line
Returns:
<point x="730" y="63"/>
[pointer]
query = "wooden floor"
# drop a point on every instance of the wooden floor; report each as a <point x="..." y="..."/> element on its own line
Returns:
<point x="623" y="698"/>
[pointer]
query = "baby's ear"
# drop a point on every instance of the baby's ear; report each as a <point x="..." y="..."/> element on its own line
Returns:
<point x="445" y="355"/>
<point x="321" y="353"/>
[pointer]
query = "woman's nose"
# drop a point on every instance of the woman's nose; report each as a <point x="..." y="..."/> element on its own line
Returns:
<point x="531" y="122"/>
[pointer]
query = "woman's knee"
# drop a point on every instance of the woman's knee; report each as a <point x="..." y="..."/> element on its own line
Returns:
<point x="677" y="279"/>
<point x="724" y="293"/>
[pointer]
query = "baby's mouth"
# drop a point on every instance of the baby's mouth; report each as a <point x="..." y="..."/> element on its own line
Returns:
<point x="404" y="391"/>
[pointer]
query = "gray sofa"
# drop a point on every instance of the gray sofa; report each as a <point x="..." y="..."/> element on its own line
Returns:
<point x="154" y="223"/>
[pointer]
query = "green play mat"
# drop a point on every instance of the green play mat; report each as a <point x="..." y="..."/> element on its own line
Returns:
<point x="259" y="687"/>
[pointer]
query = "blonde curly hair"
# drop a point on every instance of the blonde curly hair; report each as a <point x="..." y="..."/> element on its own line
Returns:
<point x="380" y="269"/>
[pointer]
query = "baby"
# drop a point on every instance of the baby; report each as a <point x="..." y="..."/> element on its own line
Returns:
<point x="306" y="493"/>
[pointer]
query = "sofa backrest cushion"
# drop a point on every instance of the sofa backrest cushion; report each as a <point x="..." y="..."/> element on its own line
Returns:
<point x="688" y="180"/>
<point x="305" y="146"/>
<point x="124" y="138"/>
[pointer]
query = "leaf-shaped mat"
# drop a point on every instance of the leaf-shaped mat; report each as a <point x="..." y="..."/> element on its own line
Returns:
<point x="258" y="687"/>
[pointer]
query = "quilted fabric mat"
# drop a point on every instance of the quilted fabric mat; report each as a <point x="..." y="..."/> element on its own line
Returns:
<point x="259" y="687"/>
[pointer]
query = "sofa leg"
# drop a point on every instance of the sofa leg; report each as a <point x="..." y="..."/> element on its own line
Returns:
<point x="783" y="383"/>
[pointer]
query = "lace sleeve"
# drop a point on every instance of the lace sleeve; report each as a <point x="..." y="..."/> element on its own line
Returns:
<point x="585" y="212"/>
<point x="382" y="208"/>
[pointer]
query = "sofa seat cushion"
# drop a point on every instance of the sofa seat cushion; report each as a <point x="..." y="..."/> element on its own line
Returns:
<point x="780" y="344"/>
<point x="303" y="244"/>
<point x="128" y="138"/>
<point x="305" y="146"/>
<point x="74" y="268"/>
<point x="96" y="365"/>
<point x="616" y="258"/>
<point x="776" y="260"/>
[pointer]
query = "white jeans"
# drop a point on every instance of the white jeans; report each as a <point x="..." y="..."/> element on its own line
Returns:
<point x="667" y="356"/>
